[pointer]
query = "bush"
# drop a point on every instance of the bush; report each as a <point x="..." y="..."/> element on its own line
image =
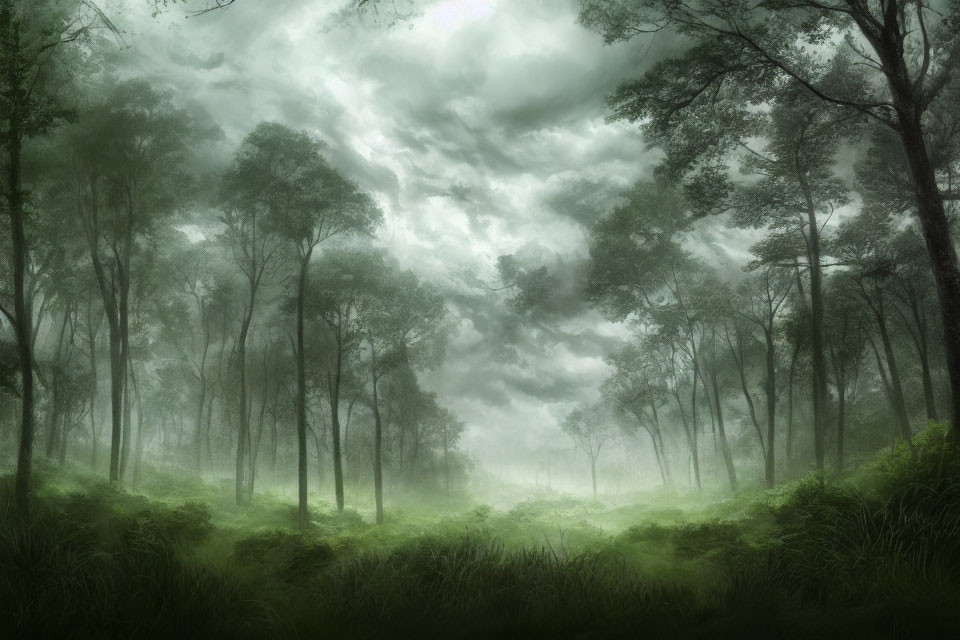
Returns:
<point x="290" y="556"/>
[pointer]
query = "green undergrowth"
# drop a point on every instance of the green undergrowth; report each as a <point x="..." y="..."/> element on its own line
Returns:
<point x="876" y="555"/>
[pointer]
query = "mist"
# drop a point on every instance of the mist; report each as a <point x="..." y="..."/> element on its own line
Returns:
<point x="477" y="318"/>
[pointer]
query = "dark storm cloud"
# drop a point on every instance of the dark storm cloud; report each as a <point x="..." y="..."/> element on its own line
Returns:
<point x="479" y="126"/>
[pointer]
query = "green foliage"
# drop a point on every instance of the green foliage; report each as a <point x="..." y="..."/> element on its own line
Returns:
<point x="290" y="555"/>
<point x="104" y="563"/>
<point x="876" y="557"/>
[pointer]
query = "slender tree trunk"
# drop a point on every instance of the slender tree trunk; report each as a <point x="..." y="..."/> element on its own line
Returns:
<point x="201" y="395"/>
<point x="255" y="449"/>
<point x="888" y="390"/>
<point x="927" y="379"/>
<point x="593" y="474"/>
<point x="244" y="426"/>
<point x="770" y="469"/>
<point x="302" y="515"/>
<point x="694" y="443"/>
<point x="22" y="306"/>
<point x="335" y="420"/>
<point x="896" y="386"/>
<point x="790" y="388"/>
<point x="377" y="438"/>
<point x="841" y="416"/>
<point x="125" y="355"/>
<point x="92" y="341"/>
<point x="691" y="441"/>
<point x="818" y="348"/>
<point x="138" y="456"/>
<point x="117" y="373"/>
<point x="274" y="434"/>
<point x="724" y="445"/>
<point x="206" y="433"/>
<point x="446" y="463"/>
<point x="656" y="452"/>
<point x="659" y="443"/>
<point x="738" y="360"/>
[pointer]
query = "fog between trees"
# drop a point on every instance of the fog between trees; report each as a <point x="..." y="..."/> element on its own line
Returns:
<point x="230" y="307"/>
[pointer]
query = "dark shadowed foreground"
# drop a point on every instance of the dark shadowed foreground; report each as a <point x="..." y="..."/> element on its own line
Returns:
<point x="875" y="556"/>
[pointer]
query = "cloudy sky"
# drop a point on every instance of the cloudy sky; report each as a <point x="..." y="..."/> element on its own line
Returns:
<point x="480" y="126"/>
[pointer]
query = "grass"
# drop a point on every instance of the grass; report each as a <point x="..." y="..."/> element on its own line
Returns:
<point x="874" y="556"/>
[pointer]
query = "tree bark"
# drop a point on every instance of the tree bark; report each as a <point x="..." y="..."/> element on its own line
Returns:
<point x="244" y="427"/>
<point x="769" y="467"/>
<point x="302" y="514"/>
<point x="377" y="439"/>
<point x="335" y="420"/>
<point x="92" y="341"/>
<point x="940" y="249"/>
<point x="138" y="455"/>
<point x="724" y="445"/>
<point x="593" y="474"/>
<point x="841" y="416"/>
<point x="896" y="386"/>
<point x="201" y="393"/>
<point x="818" y="348"/>
<point x="22" y="307"/>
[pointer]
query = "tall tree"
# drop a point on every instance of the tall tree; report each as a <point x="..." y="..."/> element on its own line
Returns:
<point x="247" y="200"/>
<point x="636" y="386"/>
<point x="334" y="295"/>
<point x="590" y="428"/>
<point x="846" y="343"/>
<point x="126" y="168"/>
<point x="34" y="62"/>
<point x="402" y="321"/>
<point x="892" y="62"/>
<point x="311" y="202"/>
<point x="761" y="300"/>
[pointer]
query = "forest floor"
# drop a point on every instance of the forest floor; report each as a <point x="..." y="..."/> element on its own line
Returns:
<point x="876" y="555"/>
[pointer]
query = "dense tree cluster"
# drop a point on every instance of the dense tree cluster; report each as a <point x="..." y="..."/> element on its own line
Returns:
<point x="854" y="277"/>
<point x="231" y="317"/>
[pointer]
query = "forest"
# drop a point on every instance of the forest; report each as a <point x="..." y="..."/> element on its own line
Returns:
<point x="479" y="319"/>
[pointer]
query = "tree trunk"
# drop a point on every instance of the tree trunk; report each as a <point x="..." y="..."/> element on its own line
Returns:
<point x="335" y="421"/>
<point x="694" y="443"/>
<point x="691" y="442"/>
<point x="302" y="515"/>
<point x="244" y="426"/>
<point x="377" y="438"/>
<point x="841" y="416"/>
<point x="138" y="455"/>
<point x="888" y="390"/>
<point x="738" y="360"/>
<point x="255" y="449"/>
<point x="896" y="387"/>
<point x="125" y="358"/>
<point x="927" y="379"/>
<point x="201" y="394"/>
<point x="118" y="372"/>
<point x="790" y="387"/>
<point x="769" y="466"/>
<point x="817" y="347"/>
<point x="656" y="453"/>
<point x="940" y="249"/>
<point x="92" y="341"/>
<point x="659" y="443"/>
<point x="593" y="474"/>
<point x="724" y="445"/>
<point x="22" y="307"/>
